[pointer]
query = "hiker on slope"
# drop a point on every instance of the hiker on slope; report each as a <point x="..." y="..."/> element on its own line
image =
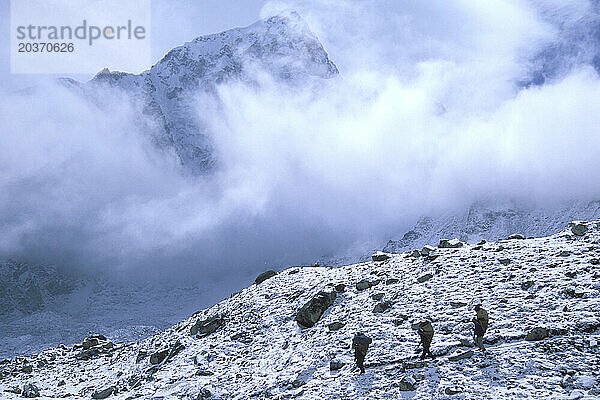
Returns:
<point x="360" y="344"/>
<point x="481" y="321"/>
<point x="425" y="331"/>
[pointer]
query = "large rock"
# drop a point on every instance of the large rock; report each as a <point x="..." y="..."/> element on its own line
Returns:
<point x="407" y="384"/>
<point x="366" y="284"/>
<point x="382" y="307"/>
<point x="159" y="356"/>
<point x="205" y="327"/>
<point x="537" y="333"/>
<point x="579" y="228"/>
<point x="335" y="326"/>
<point x="425" y="277"/>
<point x="450" y="244"/>
<point x="427" y="251"/>
<point x="264" y="276"/>
<point x="461" y="356"/>
<point x="380" y="256"/>
<point x="312" y="311"/>
<point x="335" y="365"/>
<point x="516" y="237"/>
<point x="103" y="394"/>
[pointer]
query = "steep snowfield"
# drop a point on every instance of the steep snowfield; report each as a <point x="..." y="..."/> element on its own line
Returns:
<point x="260" y="351"/>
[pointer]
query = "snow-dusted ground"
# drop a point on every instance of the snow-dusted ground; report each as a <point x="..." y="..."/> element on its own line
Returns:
<point x="261" y="352"/>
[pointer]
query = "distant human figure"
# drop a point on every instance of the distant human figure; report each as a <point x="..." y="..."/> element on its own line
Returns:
<point x="481" y="321"/>
<point x="360" y="344"/>
<point x="425" y="331"/>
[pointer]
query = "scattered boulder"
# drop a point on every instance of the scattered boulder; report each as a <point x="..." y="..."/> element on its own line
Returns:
<point x="264" y="276"/>
<point x="391" y="281"/>
<point x="415" y="253"/>
<point x="88" y="354"/>
<point x="538" y="333"/>
<point x="425" y="277"/>
<point x="27" y="369"/>
<point x="93" y="346"/>
<point x="366" y="284"/>
<point x="380" y="256"/>
<point x="312" y="311"/>
<point x="564" y="253"/>
<point x="166" y="354"/>
<point x="203" y="372"/>
<point x="298" y="383"/>
<point x="382" y="307"/>
<point x="594" y="261"/>
<point x="335" y="365"/>
<point x="103" y="394"/>
<point x="516" y="237"/>
<point x="243" y="337"/>
<point x="340" y="288"/>
<point x="203" y="328"/>
<point x="579" y="228"/>
<point x="462" y="356"/>
<point x="527" y="285"/>
<point x="450" y="244"/>
<point x="336" y="326"/>
<point x="378" y="296"/>
<point x="482" y="242"/>
<point x="427" y="251"/>
<point x="90" y="342"/>
<point x="30" y="391"/>
<point x="407" y="384"/>
<point x="505" y="261"/>
<point x="571" y="274"/>
<point x="140" y="356"/>
<point x="457" y="304"/>
<point x="159" y="356"/>
<point x="452" y="390"/>
<point x="574" y="294"/>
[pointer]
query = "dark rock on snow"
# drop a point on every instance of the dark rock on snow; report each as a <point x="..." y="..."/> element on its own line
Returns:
<point x="264" y="276"/>
<point x="537" y="333"/>
<point x="312" y="311"/>
<point x="380" y="256"/>
<point x="205" y="327"/>
<point x="103" y="394"/>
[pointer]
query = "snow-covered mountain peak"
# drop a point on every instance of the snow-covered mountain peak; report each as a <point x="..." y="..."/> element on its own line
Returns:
<point x="282" y="46"/>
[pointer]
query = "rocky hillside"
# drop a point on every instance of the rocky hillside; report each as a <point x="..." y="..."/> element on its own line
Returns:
<point x="282" y="46"/>
<point x="288" y="335"/>
<point x="493" y="220"/>
<point x="25" y="288"/>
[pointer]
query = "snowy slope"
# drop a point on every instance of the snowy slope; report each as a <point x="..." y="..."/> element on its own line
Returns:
<point x="282" y="46"/>
<point x="258" y="350"/>
<point x="492" y="221"/>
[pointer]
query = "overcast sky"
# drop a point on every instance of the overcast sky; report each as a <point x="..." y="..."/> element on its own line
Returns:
<point x="173" y="23"/>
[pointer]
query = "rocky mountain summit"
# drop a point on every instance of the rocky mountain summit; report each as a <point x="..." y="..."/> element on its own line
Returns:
<point x="281" y="46"/>
<point x="288" y="335"/>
